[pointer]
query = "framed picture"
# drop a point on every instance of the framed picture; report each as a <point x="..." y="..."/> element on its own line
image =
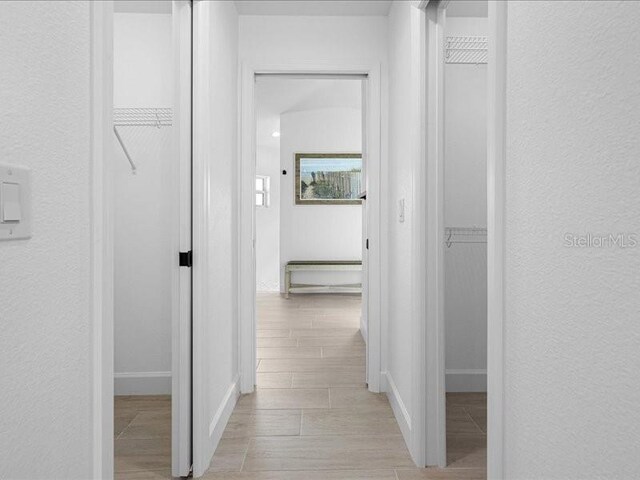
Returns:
<point x="328" y="178"/>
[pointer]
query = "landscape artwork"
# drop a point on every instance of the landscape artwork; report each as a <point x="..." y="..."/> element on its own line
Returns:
<point x="328" y="179"/>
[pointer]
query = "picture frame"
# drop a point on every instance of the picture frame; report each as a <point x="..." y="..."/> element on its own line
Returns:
<point x="328" y="179"/>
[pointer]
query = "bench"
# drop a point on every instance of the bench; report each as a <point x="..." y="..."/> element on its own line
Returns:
<point x="320" y="265"/>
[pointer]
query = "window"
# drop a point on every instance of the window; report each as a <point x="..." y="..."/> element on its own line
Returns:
<point x="262" y="191"/>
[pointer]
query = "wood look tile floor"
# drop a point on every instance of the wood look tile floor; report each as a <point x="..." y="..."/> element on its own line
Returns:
<point x="142" y="430"/>
<point x="311" y="416"/>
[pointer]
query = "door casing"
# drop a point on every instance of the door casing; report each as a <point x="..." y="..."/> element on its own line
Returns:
<point x="431" y="61"/>
<point x="246" y="241"/>
<point x="102" y="239"/>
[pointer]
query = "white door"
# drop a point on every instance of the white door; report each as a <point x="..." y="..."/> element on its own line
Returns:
<point x="364" y="320"/>
<point x="181" y="428"/>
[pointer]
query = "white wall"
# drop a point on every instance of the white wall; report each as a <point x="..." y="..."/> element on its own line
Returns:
<point x="465" y="205"/>
<point x="318" y="232"/>
<point x="400" y="186"/>
<point x="572" y="331"/>
<point x="143" y="73"/>
<point x="312" y="40"/>
<point x="143" y="59"/>
<point x="45" y="345"/>
<point x="216" y="375"/>
<point x="268" y="223"/>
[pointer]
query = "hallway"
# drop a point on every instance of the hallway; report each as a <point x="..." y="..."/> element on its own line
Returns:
<point x="311" y="416"/>
<point x="311" y="410"/>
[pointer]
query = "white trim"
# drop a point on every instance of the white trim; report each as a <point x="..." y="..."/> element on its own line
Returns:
<point x="246" y="235"/>
<point x="433" y="368"/>
<point x="496" y="168"/>
<point x="142" y="383"/>
<point x="246" y="240"/>
<point x="201" y="225"/>
<point x="220" y="419"/>
<point x="399" y="409"/>
<point x="363" y="330"/>
<point x="101" y="189"/>
<point x="181" y="304"/>
<point x="216" y="428"/>
<point x="418" y="73"/>
<point x="466" y="380"/>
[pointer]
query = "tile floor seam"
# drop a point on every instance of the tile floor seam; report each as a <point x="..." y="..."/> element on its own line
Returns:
<point x="246" y="451"/>
<point x="473" y="420"/>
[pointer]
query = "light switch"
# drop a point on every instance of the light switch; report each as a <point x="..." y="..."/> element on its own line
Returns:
<point x="10" y="198"/>
<point x="15" y="202"/>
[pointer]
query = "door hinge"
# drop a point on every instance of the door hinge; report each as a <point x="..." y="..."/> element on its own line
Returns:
<point x="186" y="259"/>
<point x="367" y="244"/>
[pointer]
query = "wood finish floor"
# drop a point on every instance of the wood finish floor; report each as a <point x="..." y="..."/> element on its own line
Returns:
<point x="311" y="416"/>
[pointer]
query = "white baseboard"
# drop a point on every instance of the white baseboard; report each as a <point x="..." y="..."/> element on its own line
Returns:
<point x="399" y="409"/>
<point x="142" y="383"/>
<point x="220" y="419"/>
<point x="468" y="380"/>
<point x="363" y="330"/>
<point x="326" y="289"/>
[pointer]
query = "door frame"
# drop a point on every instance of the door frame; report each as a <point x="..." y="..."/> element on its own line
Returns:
<point x="102" y="237"/>
<point x="431" y="61"/>
<point x="102" y="248"/>
<point x="246" y="235"/>
<point x="182" y="241"/>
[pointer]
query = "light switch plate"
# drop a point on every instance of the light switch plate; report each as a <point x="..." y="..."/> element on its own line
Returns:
<point x="15" y="202"/>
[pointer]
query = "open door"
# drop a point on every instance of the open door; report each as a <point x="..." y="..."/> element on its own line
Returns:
<point x="181" y="407"/>
<point x="364" y="318"/>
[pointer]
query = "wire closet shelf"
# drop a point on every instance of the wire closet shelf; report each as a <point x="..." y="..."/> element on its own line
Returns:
<point x="464" y="235"/>
<point x="467" y="49"/>
<point x="139" y="117"/>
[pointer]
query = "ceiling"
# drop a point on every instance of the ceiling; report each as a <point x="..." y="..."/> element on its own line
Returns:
<point x="468" y="8"/>
<point x="275" y="96"/>
<point x="456" y="8"/>
<point x="313" y="7"/>
<point x="142" y="6"/>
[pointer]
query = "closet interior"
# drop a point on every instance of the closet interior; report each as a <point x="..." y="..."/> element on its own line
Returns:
<point x="465" y="242"/>
<point x="142" y="163"/>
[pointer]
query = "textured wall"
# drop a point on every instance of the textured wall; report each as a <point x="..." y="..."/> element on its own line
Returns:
<point x="318" y="232"/>
<point x="572" y="330"/>
<point x="45" y="339"/>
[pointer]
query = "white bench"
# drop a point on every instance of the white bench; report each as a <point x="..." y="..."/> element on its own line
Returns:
<point x="320" y="265"/>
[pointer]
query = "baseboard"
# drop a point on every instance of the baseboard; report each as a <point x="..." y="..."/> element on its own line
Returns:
<point x="363" y="329"/>
<point x="326" y="289"/>
<point x="142" y="383"/>
<point x="220" y="419"/>
<point x="468" y="380"/>
<point x="399" y="409"/>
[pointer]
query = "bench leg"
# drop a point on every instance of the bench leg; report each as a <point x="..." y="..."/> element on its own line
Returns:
<point x="287" y="283"/>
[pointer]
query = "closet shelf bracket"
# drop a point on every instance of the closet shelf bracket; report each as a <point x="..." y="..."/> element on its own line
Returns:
<point x="124" y="149"/>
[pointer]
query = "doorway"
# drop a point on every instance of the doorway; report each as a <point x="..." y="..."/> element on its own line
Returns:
<point x="370" y="144"/>
<point x="309" y="232"/>
<point x="465" y="233"/>
<point x="480" y="45"/>
<point x="151" y="162"/>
